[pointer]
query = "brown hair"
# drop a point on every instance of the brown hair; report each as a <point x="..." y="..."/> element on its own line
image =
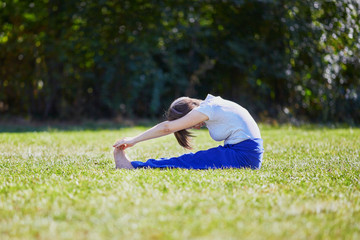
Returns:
<point x="179" y="108"/>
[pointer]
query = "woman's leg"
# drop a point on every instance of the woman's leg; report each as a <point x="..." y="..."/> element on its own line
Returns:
<point x="219" y="157"/>
<point x="121" y="161"/>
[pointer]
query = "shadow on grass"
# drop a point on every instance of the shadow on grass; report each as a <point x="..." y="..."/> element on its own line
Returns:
<point x="308" y="126"/>
<point x="25" y="126"/>
<point x="21" y="126"/>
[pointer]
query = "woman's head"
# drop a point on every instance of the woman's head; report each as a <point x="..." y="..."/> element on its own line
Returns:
<point x="179" y="108"/>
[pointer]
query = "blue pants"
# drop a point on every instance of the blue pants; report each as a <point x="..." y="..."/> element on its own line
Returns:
<point x="246" y="154"/>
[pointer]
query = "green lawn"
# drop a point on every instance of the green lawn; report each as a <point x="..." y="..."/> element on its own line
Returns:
<point x="63" y="185"/>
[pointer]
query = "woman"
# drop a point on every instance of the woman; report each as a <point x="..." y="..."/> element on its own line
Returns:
<point x="225" y="120"/>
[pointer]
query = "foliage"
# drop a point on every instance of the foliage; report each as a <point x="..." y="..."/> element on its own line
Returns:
<point x="68" y="59"/>
<point x="63" y="185"/>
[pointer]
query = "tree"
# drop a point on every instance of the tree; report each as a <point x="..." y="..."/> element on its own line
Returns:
<point x="63" y="59"/>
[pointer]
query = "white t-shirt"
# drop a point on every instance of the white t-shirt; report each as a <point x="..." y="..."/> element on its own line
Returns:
<point x="228" y="121"/>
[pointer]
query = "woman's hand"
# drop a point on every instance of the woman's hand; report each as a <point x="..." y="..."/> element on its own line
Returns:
<point x="124" y="143"/>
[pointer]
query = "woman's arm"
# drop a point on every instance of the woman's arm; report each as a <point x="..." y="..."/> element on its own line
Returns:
<point x="189" y="120"/>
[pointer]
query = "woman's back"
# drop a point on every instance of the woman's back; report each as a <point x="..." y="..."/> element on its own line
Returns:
<point x="228" y="121"/>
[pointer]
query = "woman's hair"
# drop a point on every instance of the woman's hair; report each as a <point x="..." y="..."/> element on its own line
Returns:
<point x="179" y="108"/>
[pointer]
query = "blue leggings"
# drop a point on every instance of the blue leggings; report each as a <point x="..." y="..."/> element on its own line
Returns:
<point x="246" y="154"/>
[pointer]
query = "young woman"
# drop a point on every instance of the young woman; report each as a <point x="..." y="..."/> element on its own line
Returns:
<point x="225" y="120"/>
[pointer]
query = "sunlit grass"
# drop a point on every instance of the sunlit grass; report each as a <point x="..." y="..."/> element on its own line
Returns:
<point x="63" y="185"/>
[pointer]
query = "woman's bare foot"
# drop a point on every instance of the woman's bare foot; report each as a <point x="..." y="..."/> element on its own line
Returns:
<point x="121" y="161"/>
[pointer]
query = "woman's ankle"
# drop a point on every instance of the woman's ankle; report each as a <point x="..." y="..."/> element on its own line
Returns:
<point x="121" y="161"/>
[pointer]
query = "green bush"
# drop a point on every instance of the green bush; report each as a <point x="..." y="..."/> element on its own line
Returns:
<point x="281" y="59"/>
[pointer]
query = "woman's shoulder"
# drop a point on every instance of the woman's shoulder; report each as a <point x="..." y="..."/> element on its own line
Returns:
<point x="211" y="99"/>
<point x="218" y="104"/>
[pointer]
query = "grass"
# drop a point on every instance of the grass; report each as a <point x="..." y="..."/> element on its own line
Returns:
<point x="63" y="185"/>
